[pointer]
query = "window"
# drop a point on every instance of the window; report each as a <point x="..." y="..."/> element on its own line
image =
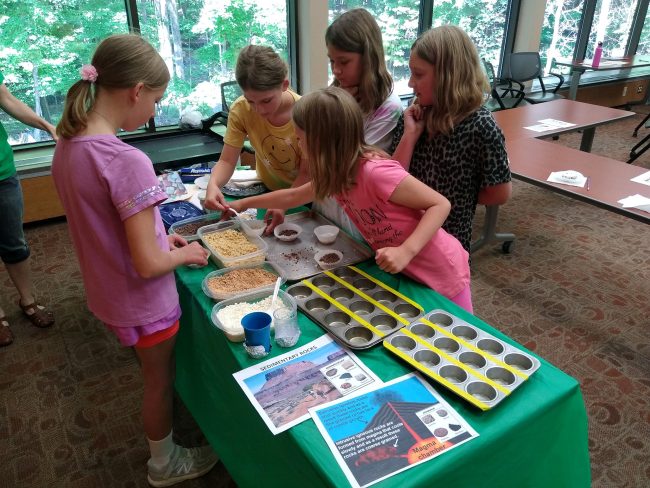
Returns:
<point x="483" y="20"/>
<point x="398" y="21"/>
<point x="200" y="41"/>
<point x="644" y="41"/>
<point x="560" y="30"/>
<point x="40" y="59"/>
<point x="612" y="23"/>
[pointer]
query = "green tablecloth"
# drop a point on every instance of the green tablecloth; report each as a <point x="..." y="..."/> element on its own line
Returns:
<point x="535" y="438"/>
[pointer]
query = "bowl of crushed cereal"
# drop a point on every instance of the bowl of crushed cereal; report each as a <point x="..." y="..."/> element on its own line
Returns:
<point x="231" y="246"/>
<point x="240" y="280"/>
<point x="287" y="231"/>
<point x="329" y="258"/>
<point x="227" y="314"/>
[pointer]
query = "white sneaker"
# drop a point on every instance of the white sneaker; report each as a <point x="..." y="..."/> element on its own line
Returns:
<point x="184" y="464"/>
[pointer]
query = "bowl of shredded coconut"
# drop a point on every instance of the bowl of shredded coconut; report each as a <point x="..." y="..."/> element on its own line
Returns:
<point x="227" y="314"/>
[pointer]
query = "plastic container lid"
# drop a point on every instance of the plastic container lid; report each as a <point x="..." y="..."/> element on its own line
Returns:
<point x="223" y="296"/>
<point x="176" y="211"/>
<point x="194" y="236"/>
<point x="231" y="261"/>
<point x="233" y="329"/>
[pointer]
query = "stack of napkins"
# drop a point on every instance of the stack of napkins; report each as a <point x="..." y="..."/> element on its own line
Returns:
<point x="244" y="178"/>
<point x="636" y="201"/>
<point x="568" y="177"/>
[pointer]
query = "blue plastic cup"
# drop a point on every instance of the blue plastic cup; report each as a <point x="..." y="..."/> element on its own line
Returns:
<point x="257" y="329"/>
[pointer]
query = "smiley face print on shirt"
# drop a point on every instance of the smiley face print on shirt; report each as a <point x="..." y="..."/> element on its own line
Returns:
<point x="280" y="157"/>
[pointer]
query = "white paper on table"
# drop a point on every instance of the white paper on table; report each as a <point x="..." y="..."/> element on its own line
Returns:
<point x="636" y="201"/>
<point x="244" y="175"/>
<point x="541" y="127"/>
<point x="556" y="123"/>
<point x="644" y="178"/>
<point x="568" y="177"/>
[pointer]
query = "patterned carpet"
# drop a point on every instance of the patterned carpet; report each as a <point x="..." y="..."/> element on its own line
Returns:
<point x="574" y="290"/>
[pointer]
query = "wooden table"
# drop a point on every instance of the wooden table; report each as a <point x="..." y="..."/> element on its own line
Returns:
<point x="579" y="67"/>
<point x="533" y="161"/>
<point x="585" y="116"/>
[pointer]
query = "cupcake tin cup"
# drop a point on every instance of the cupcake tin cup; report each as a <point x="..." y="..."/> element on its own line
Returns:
<point x="358" y="310"/>
<point x="470" y="362"/>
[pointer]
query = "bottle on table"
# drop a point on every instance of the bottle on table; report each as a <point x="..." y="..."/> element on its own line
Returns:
<point x="597" y="55"/>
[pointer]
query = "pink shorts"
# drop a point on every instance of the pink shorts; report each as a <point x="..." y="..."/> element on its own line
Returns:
<point x="131" y="336"/>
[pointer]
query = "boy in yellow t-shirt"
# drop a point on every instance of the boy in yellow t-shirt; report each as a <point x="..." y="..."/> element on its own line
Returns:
<point x="263" y="114"/>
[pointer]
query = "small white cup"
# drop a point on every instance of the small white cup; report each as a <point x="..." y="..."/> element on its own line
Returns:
<point x="326" y="234"/>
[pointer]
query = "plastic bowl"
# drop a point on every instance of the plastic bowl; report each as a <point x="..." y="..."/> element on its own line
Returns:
<point x="282" y="228"/>
<point x="253" y="227"/>
<point x="325" y="261"/>
<point x="326" y="234"/>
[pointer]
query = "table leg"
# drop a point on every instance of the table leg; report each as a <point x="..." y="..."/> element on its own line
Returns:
<point x="575" y="81"/>
<point x="490" y="234"/>
<point x="587" y="139"/>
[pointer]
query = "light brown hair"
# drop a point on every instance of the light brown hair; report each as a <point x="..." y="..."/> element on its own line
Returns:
<point x="356" y="31"/>
<point x="260" y="68"/>
<point x="121" y="61"/>
<point x="460" y="83"/>
<point x="333" y="125"/>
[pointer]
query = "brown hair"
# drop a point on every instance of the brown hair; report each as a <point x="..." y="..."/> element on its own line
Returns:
<point x="260" y="68"/>
<point x="333" y="125"/>
<point x="121" y="61"/>
<point x="356" y="31"/>
<point x="460" y="81"/>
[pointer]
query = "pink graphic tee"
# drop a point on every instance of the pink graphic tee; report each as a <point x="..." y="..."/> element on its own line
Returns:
<point x="102" y="181"/>
<point x="442" y="264"/>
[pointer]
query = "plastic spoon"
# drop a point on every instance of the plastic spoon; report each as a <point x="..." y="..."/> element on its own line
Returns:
<point x="275" y="294"/>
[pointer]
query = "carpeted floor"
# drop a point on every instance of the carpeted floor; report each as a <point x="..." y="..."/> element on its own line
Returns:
<point x="574" y="290"/>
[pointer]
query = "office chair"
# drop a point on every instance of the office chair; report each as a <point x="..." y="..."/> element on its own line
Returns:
<point x="230" y="91"/>
<point x="510" y="96"/>
<point x="527" y="66"/>
<point x="641" y="147"/>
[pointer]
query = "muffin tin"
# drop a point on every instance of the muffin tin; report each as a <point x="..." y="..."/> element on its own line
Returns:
<point x="470" y="362"/>
<point x="356" y="309"/>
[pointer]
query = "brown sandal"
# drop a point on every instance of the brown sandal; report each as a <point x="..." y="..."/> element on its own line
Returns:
<point x="6" y="336"/>
<point x="37" y="314"/>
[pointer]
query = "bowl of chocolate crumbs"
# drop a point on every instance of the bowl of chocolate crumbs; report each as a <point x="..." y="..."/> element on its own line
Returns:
<point x="287" y="231"/>
<point x="329" y="258"/>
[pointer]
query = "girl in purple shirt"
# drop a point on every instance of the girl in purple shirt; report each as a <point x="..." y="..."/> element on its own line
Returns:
<point x="110" y="194"/>
<point x="399" y="216"/>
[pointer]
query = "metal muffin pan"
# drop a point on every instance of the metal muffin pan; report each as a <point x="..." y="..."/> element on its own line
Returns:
<point x="358" y="310"/>
<point x="470" y="362"/>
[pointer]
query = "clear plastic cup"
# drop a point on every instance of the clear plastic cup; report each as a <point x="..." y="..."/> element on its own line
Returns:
<point x="287" y="330"/>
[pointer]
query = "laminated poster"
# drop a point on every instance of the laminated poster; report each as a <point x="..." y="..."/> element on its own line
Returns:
<point x="398" y="425"/>
<point x="283" y="389"/>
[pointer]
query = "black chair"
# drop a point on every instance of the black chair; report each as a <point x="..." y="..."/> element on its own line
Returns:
<point x="642" y="146"/>
<point x="508" y="98"/>
<point x="527" y="66"/>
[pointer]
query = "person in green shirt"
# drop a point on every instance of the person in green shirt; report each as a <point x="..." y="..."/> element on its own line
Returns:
<point x="14" y="251"/>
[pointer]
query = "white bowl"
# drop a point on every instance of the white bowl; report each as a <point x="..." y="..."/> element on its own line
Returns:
<point x="326" y="234"/>
<point x="287" y="226"/>
<point x="253" y="227"/>
<point x="328" y="265"/>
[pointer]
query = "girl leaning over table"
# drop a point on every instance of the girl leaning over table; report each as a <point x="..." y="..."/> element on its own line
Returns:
<point x="110" y="194"/>
<point x="263" y="114"/>
<point x="446" y="138"/>
<point x="399" y="216"/>
<point x="356" y="53"/>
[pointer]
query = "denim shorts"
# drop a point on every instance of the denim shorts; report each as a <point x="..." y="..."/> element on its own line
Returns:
<point x="13" y="246"/>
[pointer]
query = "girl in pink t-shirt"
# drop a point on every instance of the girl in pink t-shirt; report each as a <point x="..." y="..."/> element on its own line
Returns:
<point x="110" y="194"/>
<point x="399" y="216"/>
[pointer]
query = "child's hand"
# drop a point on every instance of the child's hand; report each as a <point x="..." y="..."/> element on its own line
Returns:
<point x="176" y="241"/>
<point x="414" y="120"/>
<point x="392" y="259"/>
<point x="273" y="218"/>
<point x="214" y="199"/>
<point x="194" y="253"/>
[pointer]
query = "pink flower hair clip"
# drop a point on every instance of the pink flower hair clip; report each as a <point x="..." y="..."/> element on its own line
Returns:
<point x="88" y="73"/>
